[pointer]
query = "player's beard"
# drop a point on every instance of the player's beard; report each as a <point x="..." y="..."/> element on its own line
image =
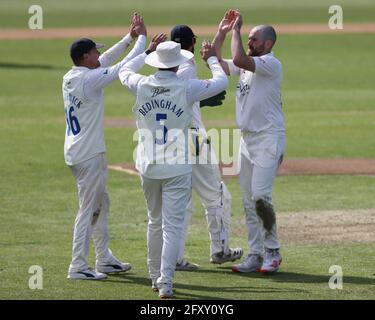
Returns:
<point x="252" y="52"/>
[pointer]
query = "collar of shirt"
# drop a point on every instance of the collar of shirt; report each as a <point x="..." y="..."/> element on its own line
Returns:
<point x="79" y="68"/>
<point x="165" y="74"/>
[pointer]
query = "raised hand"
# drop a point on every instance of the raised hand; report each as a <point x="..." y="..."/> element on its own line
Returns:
<point x="155" y="41"/>
<point x="226" y="24"/>
<point x="137" y="26"/>
<point x="238" y="21"/>
<point x="207" y="50"/>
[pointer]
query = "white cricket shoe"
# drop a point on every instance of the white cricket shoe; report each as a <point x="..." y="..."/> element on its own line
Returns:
<point x="232" y="255"/>
<point x="185" y="265"/>
<point x="154" y="285"/>
<point x="165" y="290"/>
<point x="87" y="274"/>
<point x="113" y="266"/>
<point x="252" y="263"/>
<point x="272" y="261"/>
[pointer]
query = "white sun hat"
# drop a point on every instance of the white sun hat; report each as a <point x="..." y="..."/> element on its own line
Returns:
<point x="168" y="54"/>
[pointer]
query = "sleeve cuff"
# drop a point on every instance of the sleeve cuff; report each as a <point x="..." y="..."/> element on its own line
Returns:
<point x="128" y="38"/>
<point x="142" y="37"/>
<point x="212" y="60"/>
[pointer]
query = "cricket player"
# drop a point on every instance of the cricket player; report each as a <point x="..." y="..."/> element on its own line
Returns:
<point x="84" y="147"/>
<point x="215" y="197"/>
<point x="163" y="112"/>
<point x="260" y="117"/>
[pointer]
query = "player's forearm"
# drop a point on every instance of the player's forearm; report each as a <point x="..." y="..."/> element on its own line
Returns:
<point x="135" y="64"/>
<point x="112" y="54"/>
<point x="129" y="60"/>
<point x="139" y="47"/>
<point x="217" y="43"/>
<point x="219" y="79"/>
<point x="240" y="58"/>
<point x="203" y="89"/>
<point x="127" y="73"/>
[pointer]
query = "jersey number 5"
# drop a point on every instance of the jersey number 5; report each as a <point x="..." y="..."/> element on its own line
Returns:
<point x="72" y="122"/>
<point x="161" y="127"/>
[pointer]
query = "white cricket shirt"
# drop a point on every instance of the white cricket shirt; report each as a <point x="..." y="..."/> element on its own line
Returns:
<point x="188" y="70"/>
<point x="173" y="113"/>
<point x="258" y="96"/>
<point x="84" y="102"/>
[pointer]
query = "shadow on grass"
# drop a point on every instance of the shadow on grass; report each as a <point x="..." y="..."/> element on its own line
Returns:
<point x="205" y="291"/>
<point x="282" y="276"/>
<point x="293" y="277"/>
<point x="30" y="66"/>
<point x="131" y="278"/>
<point x="192" y="291"/>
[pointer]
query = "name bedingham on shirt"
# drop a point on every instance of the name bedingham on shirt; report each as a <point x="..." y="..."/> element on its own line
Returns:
<point x="163" y="117"/>
<point x="258" y="96"/>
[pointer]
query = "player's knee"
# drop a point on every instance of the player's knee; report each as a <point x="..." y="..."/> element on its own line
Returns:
<point x="226" y="194"/>
<point x="214" y="221"/>
<point x="250" y="214"/>
<point x="263" y="203"/>
<point x="261" y="195"/>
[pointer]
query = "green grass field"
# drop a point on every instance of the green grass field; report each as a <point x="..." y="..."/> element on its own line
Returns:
<point x="328" y="99"/>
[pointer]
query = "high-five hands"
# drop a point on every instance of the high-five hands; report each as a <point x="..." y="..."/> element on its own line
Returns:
<point x="237" y="21"/>
<point x="137" y="26"/>
<point x="232" y="20"/>
<point x="226" y="24"/>
<point x="207" y="50"/>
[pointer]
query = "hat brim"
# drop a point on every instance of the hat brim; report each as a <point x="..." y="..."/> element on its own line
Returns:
<point x="99" y="45"/>
<point x="153" y="60"/>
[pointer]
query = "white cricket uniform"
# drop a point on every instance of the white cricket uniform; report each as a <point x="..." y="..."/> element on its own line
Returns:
<point x="206" y="181"/>
<point x="260" y="117"/>
<point x="163" y="107"/>
<point x="84" y="149"/>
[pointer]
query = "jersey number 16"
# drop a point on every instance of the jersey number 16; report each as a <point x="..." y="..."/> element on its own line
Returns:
<point x="72" y="122"/>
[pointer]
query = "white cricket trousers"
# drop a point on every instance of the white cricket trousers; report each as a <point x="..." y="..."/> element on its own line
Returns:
<point x="216" y="200"/>
<point x="92" y="217"/>
<point x="166" y="201"/>
<point x="260" y="156"/>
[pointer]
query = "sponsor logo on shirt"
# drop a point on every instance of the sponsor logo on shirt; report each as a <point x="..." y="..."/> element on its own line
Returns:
<point x="244" y="89"/>
<point x="160" y="90"/>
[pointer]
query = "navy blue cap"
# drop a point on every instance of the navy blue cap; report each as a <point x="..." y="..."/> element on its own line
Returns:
<point x="82" y="46"/>
<point x="182" y="34"/>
